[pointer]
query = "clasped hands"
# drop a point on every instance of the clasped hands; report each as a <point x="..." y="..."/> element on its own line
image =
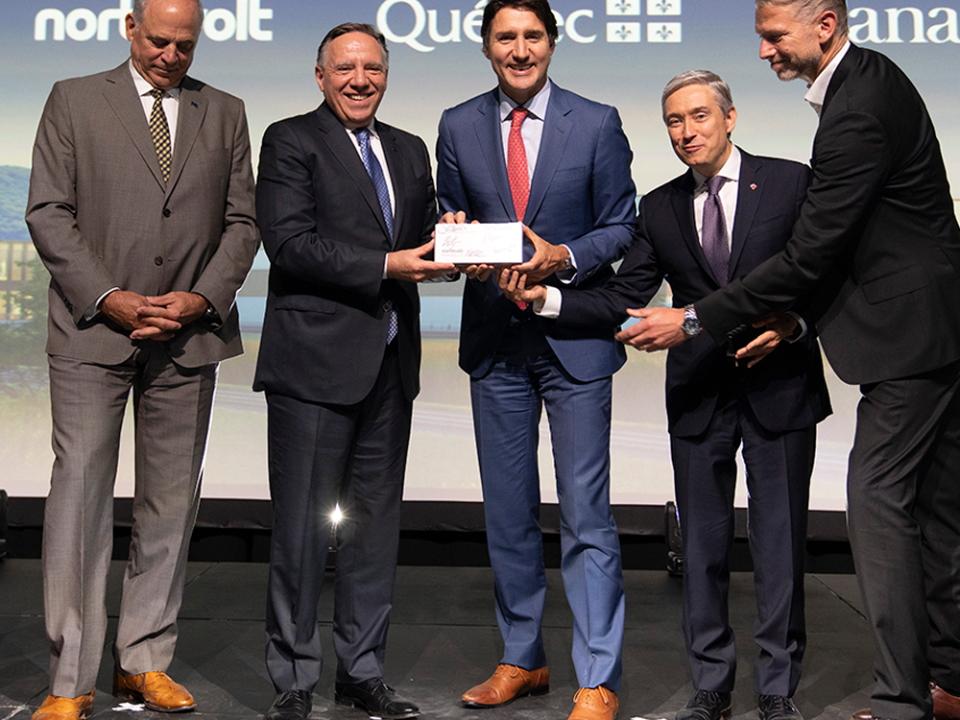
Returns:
<point x="547" y="259"/>
<point x="153" y="318"/>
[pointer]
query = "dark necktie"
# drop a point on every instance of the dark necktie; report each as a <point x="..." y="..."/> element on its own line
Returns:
<point x="160" y="132"/>
<point x="375" y="172"/>
<point x="372" y="165"/>
<point x="714" y="233"/>
<point x="517" y="170"/>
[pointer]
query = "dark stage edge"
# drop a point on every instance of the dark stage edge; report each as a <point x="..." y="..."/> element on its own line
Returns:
<point x="443" y="639"/>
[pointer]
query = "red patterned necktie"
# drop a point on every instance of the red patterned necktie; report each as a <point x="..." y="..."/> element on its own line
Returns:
<point x="517" y="164"/>
<point x="517" y="170"/>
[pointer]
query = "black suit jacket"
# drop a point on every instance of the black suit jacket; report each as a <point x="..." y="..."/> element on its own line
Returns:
<point x="877" y="246"/>
<point x="786" y="390"/>
<point x="325" y="328"/>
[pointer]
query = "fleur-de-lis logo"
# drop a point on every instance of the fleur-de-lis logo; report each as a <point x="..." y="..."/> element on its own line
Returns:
<point x="623" y="32"/>
<point x="664" y="33"/>
<point x="622" y="6"/>
<point x="663" y="6"/>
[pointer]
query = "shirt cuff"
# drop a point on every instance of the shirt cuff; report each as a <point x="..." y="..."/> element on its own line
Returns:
<point x="797" y="336"/>
<point x="550" y="308"/>
<point x="94" y="309"/>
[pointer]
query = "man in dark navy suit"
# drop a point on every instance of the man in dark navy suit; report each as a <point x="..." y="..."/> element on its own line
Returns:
<point x="876" y="253"/>
<point x="346" y="206"/>
<point x="719" y="220"/>
<point x="532" y="152"/>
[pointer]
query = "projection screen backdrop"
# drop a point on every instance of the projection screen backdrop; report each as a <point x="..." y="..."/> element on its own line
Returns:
<point x="620" y="52"/>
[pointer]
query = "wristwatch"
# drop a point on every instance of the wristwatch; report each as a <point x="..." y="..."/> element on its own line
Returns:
<point x="211" y="317"/>
<point x="691" y="325"/>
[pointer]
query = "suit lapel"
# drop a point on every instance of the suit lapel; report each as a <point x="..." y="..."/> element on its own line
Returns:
<point x="190" y="113"/>
<point x="749" y="191"/>
<point x="490" y="140"/>
<point x="682" y="201"/>
<point x="557" y="127"/>
<point x="334" y="136"/>
<point x="840" y="75"/>
<point x="121" y="94"/>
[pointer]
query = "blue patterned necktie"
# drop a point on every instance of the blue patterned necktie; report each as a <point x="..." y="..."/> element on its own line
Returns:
<point x="714" y="233"/>
<point x="160" y="132"/>
<point x="372" y="165"/>
<point x="375" y="172"/>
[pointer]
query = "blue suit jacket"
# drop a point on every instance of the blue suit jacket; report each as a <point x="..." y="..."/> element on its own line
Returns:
<point x="581" y="195"/>
<point x="785" y="391"/>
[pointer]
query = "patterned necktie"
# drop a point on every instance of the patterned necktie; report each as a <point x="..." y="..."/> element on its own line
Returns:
<point x="714" y="233"/>
<point x="375" y="172"/>
<point x="517" y="169"/>
<point x="372" y="165"/>
<point x="160" y="132"/>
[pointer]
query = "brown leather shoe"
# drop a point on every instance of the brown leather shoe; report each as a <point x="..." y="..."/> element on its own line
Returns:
<point x="865" y="714"/>
<point x="155" y="690"/>
<point x="61" y="708"/>
<point x="507" y="683"/>
<point x="945" y="705"/>
<point x="597" y="703"/>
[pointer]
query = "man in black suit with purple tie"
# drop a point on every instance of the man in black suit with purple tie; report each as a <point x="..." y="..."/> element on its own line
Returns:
<point x="877" y="253"/>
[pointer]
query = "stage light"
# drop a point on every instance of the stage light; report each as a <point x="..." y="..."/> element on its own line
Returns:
<point x="336" y="515"/>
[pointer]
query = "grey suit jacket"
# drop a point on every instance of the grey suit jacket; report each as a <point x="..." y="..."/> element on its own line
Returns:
<point x="101" y="215"/>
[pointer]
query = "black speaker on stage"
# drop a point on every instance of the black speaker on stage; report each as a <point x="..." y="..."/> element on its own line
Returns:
<point x="674" y="540"/>
<point x="3" y="524"/>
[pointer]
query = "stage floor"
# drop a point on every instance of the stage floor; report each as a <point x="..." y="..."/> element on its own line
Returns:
<point x="443" y="639"/>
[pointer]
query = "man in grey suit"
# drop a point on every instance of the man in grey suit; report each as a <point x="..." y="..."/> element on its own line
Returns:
<point x="141" y="206"/>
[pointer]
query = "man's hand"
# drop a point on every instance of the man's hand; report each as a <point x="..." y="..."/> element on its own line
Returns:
<point x="514" y="287"/>
<point x="659" y="329"/>
<point x="547" y="259"/>
<point x="780" y="326"/>
<point x="121" y="307"/>
<point x="161" y="316"/>
<point x="409" y="265"/>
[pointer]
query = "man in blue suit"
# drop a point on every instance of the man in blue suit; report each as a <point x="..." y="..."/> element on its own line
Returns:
<point x="529" y="151"/>
<point x="728" y="213"/>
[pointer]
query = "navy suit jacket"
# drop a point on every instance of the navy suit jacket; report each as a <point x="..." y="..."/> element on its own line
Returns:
<point x="786" y="390"/>
<point x="581" y="195"/>
<point x="325" y="328"/>
<point x="877" y="246"/>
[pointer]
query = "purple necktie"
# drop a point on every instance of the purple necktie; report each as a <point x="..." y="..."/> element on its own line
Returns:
<point x="714" y="233"/>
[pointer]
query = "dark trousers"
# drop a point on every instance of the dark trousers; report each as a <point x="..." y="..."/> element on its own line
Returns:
<point x="903" y="516"/>
<point x="321" y="455"/>
<point x="778" y="481"/>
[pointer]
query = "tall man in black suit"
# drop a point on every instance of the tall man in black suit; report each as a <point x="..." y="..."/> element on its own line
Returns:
<point x="877" y="251"/>
<point x="346" y="206"/>
<point x="723" y="217"/>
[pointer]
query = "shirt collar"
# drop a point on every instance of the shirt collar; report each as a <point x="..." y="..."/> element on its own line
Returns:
<point x="143" y="87"/>
<point x="818" y="89"/>
<point x="730" y="171"/>
<point x="536" y="106"/>
<point x="372" y="127"/>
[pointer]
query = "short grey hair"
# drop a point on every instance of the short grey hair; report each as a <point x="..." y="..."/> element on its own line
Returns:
<point x="810" y="10"/>
<point x="350" y="27"/>
<point x="721" y="91"/>
<point x="140" y="7"/>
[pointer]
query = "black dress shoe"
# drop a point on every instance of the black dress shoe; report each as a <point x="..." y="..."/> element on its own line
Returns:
<point x="378" y="699"/>
<point x="777" y="707"/>
<point x="706" y="705"/>
<point x="290" y="705"/>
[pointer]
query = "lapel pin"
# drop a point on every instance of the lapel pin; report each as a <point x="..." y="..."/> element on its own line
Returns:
<point x="196" y="106"/>
<point x="753" y="186"/>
